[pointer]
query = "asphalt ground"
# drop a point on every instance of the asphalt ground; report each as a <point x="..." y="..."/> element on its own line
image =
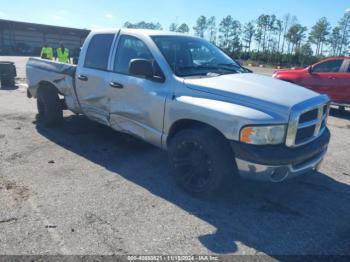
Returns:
<point x="84" y="189"/>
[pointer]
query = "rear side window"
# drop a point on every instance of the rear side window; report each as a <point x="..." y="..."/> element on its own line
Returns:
<point x="98" y="51"/>
<point x="332" y="66"/>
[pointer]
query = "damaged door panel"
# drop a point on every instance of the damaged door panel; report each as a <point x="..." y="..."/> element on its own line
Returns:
<point x="93" y="94"/>
<point x="138" y="108"/>
<point x="136" y="104"/>
<point x="92" y="78"/>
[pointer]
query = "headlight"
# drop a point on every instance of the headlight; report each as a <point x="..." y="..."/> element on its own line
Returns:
<point x="263" y="135"/>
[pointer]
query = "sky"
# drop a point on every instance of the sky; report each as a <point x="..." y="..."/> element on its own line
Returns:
<point x="113" y="13"/>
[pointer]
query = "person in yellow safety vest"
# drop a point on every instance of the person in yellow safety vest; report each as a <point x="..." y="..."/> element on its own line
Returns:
<point x="63" y="54"/>
<point x="46" y="52"/>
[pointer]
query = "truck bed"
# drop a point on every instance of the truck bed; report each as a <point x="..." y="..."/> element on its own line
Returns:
<point x="62" y="76"/>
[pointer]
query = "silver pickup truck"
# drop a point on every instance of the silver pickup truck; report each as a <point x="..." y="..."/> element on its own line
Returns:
<point x="217" y="120"/>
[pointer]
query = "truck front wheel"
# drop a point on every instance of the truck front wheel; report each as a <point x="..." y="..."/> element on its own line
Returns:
<point x="202" y="161"/>
<point x="49" y="107"/>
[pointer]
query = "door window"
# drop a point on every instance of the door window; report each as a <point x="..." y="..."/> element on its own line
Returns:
<point x="349" y="69"/>
<point x="130" y="48"/>
<point x="332" y="66"/>
<point x="98" y="51"/>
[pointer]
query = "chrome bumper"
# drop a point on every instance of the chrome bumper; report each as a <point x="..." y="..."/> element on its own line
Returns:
<point x="278" y="173"/>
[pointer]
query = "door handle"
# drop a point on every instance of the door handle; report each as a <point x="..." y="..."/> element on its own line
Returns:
<point x="116" y="85"/>
<point x="83" y="77"/>
<point x="332" y="77"/>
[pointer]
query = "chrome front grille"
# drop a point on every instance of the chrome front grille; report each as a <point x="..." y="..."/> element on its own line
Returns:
<point x="308" y="121"/>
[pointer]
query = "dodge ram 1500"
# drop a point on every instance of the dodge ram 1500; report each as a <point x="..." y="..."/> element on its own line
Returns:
<point x="183" y="94"/>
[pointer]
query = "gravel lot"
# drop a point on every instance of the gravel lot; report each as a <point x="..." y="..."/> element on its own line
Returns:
<point x="84" y="189"/>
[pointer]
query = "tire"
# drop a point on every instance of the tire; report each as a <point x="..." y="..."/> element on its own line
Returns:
<point x="202" y="162"/>
<point x="8" y="82"/>
<point x="49" y="107"/>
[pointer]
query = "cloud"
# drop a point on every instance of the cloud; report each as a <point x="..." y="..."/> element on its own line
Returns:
<point x="2" y="14"/>
<point x="95" y="27"/>
<point x="57" y="17"/>
<point x="63" y="12"/>
<point x="108" y="16"/>
<point x="98" y="27"/>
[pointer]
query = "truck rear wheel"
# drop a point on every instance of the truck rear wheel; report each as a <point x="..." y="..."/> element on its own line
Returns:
<point x="49" y="107"/>
<point x="202" y="161"/>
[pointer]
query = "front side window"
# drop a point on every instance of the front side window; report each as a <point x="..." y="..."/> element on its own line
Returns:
<point x="98" y="51"/>
<point x="130" y="48"/>
<point x="332" y="66"/>
<point x="189" y="56"/>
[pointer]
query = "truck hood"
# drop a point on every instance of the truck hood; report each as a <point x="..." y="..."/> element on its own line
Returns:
<point x="255" y="91"/>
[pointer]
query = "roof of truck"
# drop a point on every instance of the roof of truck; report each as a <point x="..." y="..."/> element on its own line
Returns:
<point x="147" y="32"/>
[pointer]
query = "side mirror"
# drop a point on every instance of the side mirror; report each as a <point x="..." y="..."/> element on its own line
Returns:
<point x="141" y="67"/>
<point x="147" y="69"/>
<point x="310" y="70"/>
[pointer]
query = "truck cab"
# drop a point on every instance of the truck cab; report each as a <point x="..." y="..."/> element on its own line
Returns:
<point x="218" y="121"/>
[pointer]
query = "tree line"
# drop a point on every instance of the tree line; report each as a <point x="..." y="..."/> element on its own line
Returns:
<point x="269" y="39"/>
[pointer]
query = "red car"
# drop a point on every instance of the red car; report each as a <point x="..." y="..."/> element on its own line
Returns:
<point x="330" y="76"/>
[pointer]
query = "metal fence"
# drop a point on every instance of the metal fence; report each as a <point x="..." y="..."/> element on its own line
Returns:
<point x="19" y="38"/>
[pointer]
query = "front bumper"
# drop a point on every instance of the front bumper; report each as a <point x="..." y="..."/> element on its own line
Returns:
<point x="278" y="163"/>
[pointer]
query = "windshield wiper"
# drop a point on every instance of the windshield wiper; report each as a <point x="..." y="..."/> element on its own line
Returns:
<point x="196" y="67"/>
<point x="223" y="70"/>
<point x="213" y="67"/>
<point x="227" y="67"/>
<point x="188" y="70"/>
<point x="230" y="65"/>
<point x="238" y="68"/>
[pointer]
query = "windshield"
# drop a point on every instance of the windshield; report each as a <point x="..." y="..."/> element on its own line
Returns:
<point x="189" y="56"/>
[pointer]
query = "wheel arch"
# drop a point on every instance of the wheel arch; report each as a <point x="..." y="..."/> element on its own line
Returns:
<point x="34" y="90"/>
<point x="183" y="124"/>
<point x="47" y="85"/>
